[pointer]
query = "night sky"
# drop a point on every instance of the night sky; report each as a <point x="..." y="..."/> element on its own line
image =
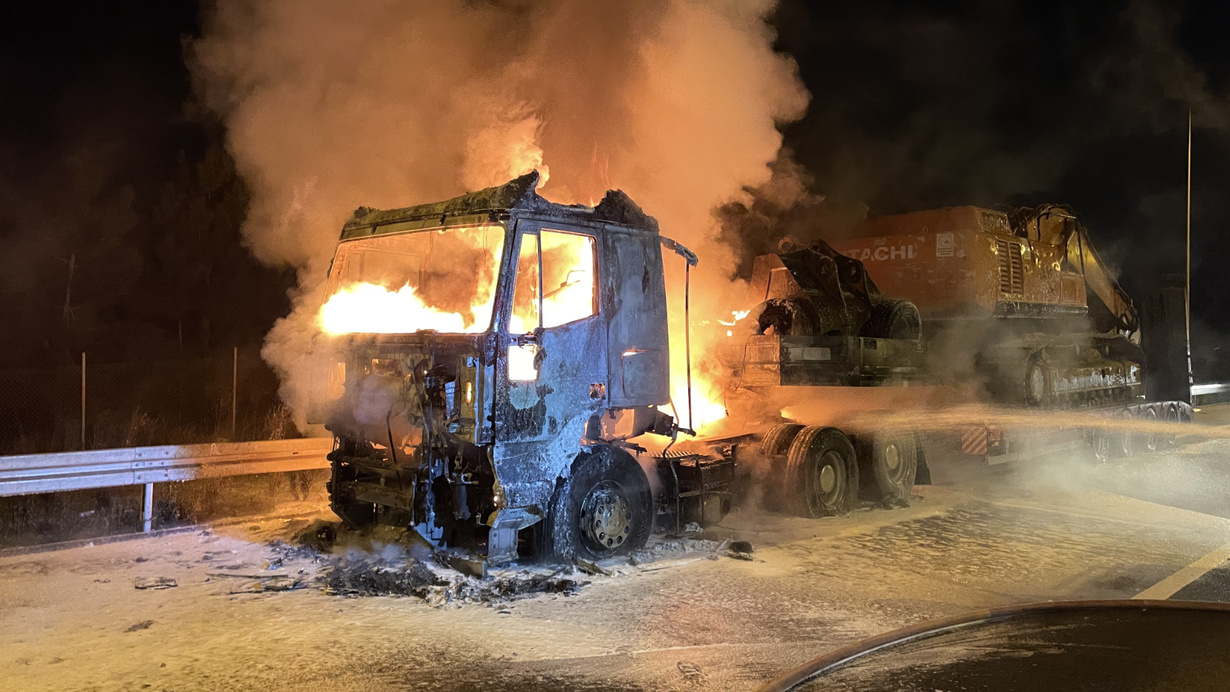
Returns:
<point x="109" y="165"/>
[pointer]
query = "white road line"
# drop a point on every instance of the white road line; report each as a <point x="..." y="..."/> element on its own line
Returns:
<point x="1170" y="585"/>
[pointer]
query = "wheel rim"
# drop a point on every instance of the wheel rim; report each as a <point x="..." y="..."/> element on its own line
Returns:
<point x="1151" y="438"/>
<point x="828" y="479"/>
<point x="1101" y="447"/>
<point x="898" y="464"/>
<point x="1172" y="416"/>
<point x="825" y="478"/>
<point x="1126" y="448"/>
<point x="605" y="517"/>
<point x="892" y="458"/>
<point x="1037" y="384"/>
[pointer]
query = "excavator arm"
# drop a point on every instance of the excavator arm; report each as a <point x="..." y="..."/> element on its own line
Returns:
<point x="1109" y="306"/>
<point x="1101" y="284"/>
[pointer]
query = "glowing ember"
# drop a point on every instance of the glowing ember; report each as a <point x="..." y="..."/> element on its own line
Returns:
<point x="739" y="314"/>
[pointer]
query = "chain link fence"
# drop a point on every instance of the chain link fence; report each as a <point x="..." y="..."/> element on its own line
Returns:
<point x="114" y="405"/>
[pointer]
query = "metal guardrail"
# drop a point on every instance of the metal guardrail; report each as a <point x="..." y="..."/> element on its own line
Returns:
<point x="1213" y="393"/>
<point x="29" y="474"/>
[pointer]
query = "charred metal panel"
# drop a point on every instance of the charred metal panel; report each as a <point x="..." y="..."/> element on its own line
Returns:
<point x="635" y="301"/>
<point x="539" y="424"/>
<point x="771" y="361"/>
<point x="407" y="448"/>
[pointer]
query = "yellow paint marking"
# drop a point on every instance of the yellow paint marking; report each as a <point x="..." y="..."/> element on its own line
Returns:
<point x="1171" y="585"/>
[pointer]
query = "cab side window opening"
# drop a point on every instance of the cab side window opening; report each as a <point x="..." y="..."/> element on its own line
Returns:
<point x="567" y="278"/>
<point x="567" y="281"/>
<point x="525" y="289"/>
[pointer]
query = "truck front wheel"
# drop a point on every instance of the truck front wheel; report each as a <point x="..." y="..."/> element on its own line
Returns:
<point x="822" y="472"/>
<point x="603" y="509"/>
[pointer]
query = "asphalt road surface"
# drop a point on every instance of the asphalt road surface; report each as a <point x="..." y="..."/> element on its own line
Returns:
<point x="980" y="537"/>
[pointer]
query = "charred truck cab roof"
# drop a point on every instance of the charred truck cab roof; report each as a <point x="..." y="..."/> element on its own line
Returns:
<point x="469" y="428"/>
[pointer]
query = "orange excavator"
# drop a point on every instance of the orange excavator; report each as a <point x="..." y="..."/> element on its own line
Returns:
<point x="1020" y="303"/>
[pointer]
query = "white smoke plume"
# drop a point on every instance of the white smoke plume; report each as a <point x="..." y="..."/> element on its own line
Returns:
<point x="385" y="103"/>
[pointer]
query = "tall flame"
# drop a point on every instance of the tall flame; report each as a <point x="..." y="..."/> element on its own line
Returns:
<point x="434" y="280"/>
<point x="369" y="308"/>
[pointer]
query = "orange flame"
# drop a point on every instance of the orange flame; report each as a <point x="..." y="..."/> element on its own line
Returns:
<point x="567" y="281"/>
<point x="401" y="284"/>
<point x="707" y="406"/>
<point x="372" y="309"/>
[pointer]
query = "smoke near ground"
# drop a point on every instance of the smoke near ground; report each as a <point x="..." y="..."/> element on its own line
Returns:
<point x="386" y="104"/>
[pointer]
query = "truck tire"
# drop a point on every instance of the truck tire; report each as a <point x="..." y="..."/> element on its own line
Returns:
<point x="1124" y="440"/>
<point x="1170" y="415"/>
<point x="1100" y="444"/>
<point x="603" y="509"/>
<point x="1150" y="441"/>
<point x="1037" y="383"/>
<point x="821" y="472"/>
<point x="777" y="441"/>
<point x="891" y="466"/>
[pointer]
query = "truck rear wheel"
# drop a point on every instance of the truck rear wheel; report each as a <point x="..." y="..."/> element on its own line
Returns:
<point x="603" y="509"/>
<point x="821" y="472"/>
<point x="892" y="465"/>
<point x="777" y="441"/>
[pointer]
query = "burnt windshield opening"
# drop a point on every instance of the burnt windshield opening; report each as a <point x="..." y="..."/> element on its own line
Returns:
<point x="441" y="280"/>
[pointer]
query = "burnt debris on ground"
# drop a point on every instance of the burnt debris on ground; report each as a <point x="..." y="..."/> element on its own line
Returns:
<point x="373" y="575"/>
<point x="390" y="561"/>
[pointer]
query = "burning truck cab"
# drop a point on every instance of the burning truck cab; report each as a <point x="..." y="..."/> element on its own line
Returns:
<point x="497" y="351"/>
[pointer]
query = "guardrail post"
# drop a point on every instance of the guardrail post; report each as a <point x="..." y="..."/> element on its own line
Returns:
<point x="234" y="391"/>
<point x="147" y="508"/>
<point x="83" y="400"/>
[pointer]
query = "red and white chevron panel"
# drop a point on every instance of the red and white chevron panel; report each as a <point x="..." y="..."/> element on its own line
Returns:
<point x="974" y="440"/>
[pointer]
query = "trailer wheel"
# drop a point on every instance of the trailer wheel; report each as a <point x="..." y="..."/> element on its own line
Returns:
<point x="604" y="508"/>
<point x="1150" y="440"/>
<point x="1100" y="445"/>
<point x="1124" y="446"/>
<point x="1037" y="383"/>
<point x="777" y="441"/>
<point x="822" y="472"/>
<point x="1171" y="415"/>
<point x="893" y="462"/>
